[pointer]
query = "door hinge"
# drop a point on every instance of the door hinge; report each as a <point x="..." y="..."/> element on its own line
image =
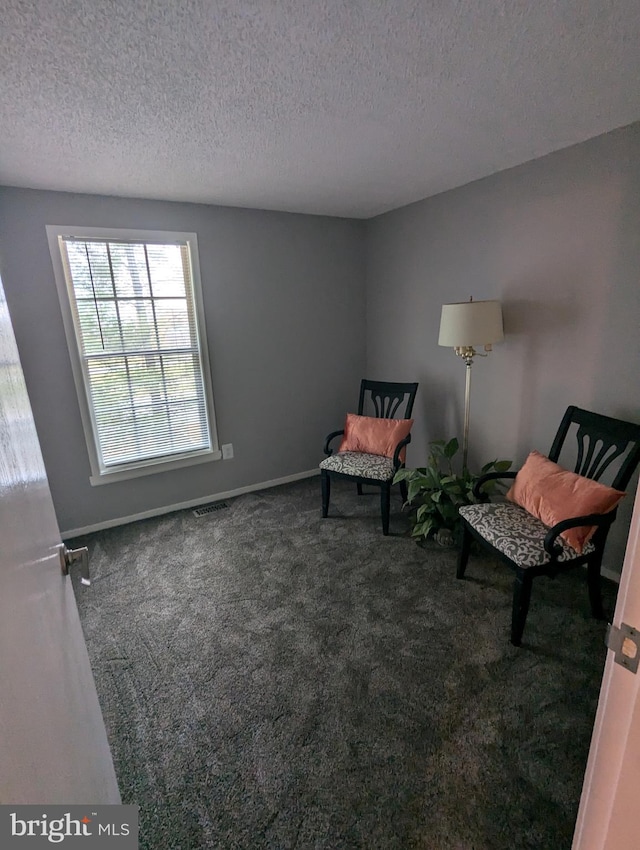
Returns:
<point x="625" y="643"/>
<point x="71" y="556"/>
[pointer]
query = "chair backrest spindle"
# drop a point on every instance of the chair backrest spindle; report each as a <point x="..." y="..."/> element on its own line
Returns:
<point x="601" y="440"/>
<point x="389" y="399"/>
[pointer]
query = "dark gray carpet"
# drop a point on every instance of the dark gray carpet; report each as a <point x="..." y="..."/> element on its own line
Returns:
<point x="270" y="679"/>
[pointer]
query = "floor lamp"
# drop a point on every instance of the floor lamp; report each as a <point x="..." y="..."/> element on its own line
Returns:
<point x="462" y="326"/>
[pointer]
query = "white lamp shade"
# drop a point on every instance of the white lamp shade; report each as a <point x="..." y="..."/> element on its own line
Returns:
<point x="471" y="323"/>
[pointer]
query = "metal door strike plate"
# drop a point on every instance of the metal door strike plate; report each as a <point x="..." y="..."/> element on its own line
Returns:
<point x="625" y="643"/>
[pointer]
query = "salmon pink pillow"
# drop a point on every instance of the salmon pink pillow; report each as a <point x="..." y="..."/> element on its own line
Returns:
<point x="552" y="494"/>
<point x="374" y="436"/>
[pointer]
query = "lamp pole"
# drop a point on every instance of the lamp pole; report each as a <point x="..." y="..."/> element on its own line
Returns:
<point x="467" y="400"/>
<point x="467" y="352"/>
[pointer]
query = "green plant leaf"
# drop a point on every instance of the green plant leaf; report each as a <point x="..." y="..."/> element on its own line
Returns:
<point x="428" y="526"/>
<point x="422" y="529"/>
<point x="423" y="511"/>
<point x="415" y="487"/>
<point x="451" y="447"/>
<point x="436" y="450"/>
<point x="448" y="510"/>
<point x="503" y="465"/>
<point x="433" y="478"/>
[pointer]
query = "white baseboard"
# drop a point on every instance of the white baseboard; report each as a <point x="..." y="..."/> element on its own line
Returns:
<point x="218" y="497"/>
<point x="192" y="503"/>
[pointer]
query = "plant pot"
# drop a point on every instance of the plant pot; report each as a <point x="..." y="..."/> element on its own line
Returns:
<point x="444" y="537"/>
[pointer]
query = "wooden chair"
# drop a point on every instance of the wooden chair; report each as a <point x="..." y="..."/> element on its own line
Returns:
<point x="529" y="547"/>
<point x="382" y="400"/>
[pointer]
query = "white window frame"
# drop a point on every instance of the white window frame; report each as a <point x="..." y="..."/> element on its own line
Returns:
<point x="55" y="235"/>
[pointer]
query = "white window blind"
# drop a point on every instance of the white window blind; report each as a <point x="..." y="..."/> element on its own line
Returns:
<point x="136" y="328"/>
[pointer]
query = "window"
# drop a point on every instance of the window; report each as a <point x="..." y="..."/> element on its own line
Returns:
<point x="133" y="315"/>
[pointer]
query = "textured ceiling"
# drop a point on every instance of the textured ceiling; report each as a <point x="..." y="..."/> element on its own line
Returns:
<point x="345" y="108"/>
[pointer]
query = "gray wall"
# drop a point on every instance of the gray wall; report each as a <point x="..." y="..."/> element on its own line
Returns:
<point x="558" y="242"/>
<point x="283" y="300"/>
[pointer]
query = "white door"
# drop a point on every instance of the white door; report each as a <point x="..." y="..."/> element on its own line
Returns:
<point x="609" y="815"/>
<point x="53" y="744"/>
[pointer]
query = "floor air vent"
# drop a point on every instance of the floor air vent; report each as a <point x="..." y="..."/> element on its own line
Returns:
<point x="210" y="509"/>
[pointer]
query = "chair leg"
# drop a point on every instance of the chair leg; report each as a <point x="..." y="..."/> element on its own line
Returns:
<point x="463" y="555"/>
<point x="326" y="491"/>
<point x="521" y="599"/>
<point x="595" y="595"/>
<point x="403" y="491"/>
<point x="385" y="505"/>
<point x="359" y="488"/>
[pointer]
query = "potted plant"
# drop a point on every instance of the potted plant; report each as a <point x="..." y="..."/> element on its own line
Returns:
<point x="436" y="491"/>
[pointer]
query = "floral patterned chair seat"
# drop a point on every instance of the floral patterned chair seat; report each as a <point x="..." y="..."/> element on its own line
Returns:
<point x="516" y="533"/>
<point x="362" y="464"/>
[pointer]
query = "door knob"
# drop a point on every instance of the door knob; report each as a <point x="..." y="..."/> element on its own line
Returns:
<point x="71" y="556"/>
